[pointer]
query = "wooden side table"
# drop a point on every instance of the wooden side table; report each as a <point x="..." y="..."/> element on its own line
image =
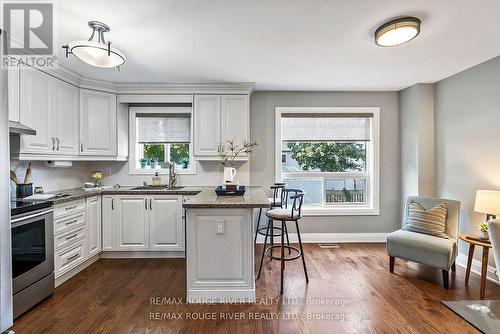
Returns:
<point x="484" y="266"/>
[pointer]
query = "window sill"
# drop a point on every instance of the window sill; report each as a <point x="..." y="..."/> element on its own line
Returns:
<point x="191" y="171"/>
<point x="338" y="211"/>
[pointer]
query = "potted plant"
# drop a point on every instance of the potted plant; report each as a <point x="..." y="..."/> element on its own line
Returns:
<point x="185" y="163"/>
<point x="143" y="162"/>
<point x="483" y="231"/>
<point x="154" y="163"/>
<point x="227" y="158"/>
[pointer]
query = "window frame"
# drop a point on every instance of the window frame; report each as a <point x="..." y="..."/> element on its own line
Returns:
<point x="372" y="172"/>
<point x="135" y="148"/>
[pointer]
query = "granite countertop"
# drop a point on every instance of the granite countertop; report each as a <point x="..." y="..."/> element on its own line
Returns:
<point x="255" y="197"/>
<point x="79" y="193"/>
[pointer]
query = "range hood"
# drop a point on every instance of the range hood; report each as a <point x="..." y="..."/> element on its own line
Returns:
<point x="20" y="129"/>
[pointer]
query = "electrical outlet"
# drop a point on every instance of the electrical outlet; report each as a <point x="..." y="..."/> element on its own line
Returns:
<point x="220" y="227"/>
<point x="108" y="171"/>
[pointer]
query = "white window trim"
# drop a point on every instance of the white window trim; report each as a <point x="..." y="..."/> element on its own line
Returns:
<point x="373" y="203"/>
<point x="134" y="150"/>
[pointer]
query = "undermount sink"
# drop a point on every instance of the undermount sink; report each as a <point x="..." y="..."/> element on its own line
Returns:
<point x="149" y="187"/>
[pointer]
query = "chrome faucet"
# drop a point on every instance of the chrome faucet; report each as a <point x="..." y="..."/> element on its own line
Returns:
<point x="171" y="175"/>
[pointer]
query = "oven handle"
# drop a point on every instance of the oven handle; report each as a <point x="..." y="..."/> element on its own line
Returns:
<point x="16" y="220"/>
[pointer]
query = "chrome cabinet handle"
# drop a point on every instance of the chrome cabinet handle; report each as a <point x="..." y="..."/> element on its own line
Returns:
<point x="81" y="147"/>
<point x="71" y="237"/>
<point x="150" y="204"/>
<point x="72" y="222"/>
<point x="146" y="203"/>
<point x="53" y="143"/>
<point x="71" y="207"/>
<point x="112" y="204"/>
<point x="57" y="139"/>
<point x="71" y="258"/>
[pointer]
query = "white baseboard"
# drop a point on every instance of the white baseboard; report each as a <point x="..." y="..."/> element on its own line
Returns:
<point x="476" y="268"/>
<point x="334" y="237"/>
<point x="143" y="255"/>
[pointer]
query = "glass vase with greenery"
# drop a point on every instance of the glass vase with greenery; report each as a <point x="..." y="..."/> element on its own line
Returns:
<point x="227" y="158"/>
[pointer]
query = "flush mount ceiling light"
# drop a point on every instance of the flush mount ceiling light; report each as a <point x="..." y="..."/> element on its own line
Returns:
<point x="398" y="31"/>
<point x="96" y="51"/>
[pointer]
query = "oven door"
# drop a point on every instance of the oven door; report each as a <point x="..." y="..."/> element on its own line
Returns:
<point x="32" y="248"/>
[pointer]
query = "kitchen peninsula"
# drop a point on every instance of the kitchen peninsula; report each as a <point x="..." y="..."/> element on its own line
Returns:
<point x="219" y="246"/>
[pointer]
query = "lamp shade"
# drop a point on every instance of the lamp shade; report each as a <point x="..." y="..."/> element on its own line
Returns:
<point x="487" y="201"/>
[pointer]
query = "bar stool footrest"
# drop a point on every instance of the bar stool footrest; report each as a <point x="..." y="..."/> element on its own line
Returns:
<point x="275" y="228"/>
<point x="289" y="258"/>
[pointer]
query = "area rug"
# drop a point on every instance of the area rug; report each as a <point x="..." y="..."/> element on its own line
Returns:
<point x="482" y="314"/>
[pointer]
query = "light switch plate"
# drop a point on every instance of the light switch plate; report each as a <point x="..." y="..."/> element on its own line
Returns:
<point x="220" y="226"/>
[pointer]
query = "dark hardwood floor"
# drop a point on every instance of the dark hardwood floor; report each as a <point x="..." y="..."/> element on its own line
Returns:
<point x="350" y="291"/>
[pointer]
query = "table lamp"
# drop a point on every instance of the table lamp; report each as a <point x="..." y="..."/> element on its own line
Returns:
<point x="488" y="202"/>
<point x="96" y="176"/>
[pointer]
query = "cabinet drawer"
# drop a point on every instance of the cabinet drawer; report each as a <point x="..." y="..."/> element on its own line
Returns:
<point x="64" y="209"/>
<point x="69" y="238"/>
<point x="66" y="223"/>
<point x="68" y="258"/>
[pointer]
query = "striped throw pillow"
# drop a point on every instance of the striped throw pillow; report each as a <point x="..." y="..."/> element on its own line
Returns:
<point x="432" y="221"/>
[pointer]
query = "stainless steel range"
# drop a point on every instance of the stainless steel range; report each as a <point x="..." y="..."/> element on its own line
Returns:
<point x="32" y="254"/>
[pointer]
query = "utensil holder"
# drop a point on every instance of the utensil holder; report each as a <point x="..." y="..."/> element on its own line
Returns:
<point x="24" y="190"/>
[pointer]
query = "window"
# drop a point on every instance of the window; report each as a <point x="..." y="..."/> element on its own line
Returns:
<point x="160" y="136"/>
<point x="331" y="154"/>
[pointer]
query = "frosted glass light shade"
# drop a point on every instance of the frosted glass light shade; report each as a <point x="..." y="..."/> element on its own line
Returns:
<point x="397" y="31"/>
<point x="487" y="201"/>
<point x="96" y="54"/>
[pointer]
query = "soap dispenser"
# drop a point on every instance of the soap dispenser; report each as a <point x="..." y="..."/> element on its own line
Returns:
<point x="156" y="180"/>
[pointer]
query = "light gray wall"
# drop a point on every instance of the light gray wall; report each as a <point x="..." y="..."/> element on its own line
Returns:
<point x="416" y="104"/>
<point x="468" y="138"/>
<point x="262" y="111"/>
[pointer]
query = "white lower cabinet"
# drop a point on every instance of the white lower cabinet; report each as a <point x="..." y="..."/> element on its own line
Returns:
<point x="142" y="223"/>
<point x="93" y="209"/>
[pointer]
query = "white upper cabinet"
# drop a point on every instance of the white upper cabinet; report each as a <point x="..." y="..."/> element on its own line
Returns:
<point x="66" y="104"/>
<point x="97" y="123"/>
<point x="207" y="125"/>
<point x="235" y="119"/>
<point x="218" y="118"/>
<point x="166" y="231"/>
<point x="36" y="102"/>
<point x="13" y="89"/>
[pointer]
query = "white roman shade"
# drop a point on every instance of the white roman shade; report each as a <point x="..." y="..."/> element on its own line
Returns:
<point x="321" y="127"/>
<point x="163" y="128"/>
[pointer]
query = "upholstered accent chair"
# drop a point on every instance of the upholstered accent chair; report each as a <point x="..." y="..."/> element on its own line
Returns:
<point x="423" y="248"/>
<point x="494" y="233"/>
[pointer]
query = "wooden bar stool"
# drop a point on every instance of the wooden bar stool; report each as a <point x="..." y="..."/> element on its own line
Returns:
<point x="285" y="215"/>
<point x="276" y="202"/>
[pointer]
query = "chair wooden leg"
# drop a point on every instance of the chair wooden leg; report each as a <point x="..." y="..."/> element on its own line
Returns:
<point x="446" y="282"/>
<point x="392" y="260"/>
<point x="263" y="251"/>
<point x="453" y="268"/>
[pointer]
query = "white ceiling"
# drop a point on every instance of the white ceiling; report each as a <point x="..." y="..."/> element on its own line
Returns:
<point x="284" y="44"/>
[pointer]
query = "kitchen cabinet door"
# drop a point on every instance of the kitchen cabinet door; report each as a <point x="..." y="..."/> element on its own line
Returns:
<point x="235" y="119"/>
<point x="36" y="111"/>
<point x="131" y="223"/>
<point x="97" y="123"/>
<point x="166" y="229"/>
<point x="108" y="213"/>
<point x="13" y="89"/>
<point x="66" y="99"/>
<point x="93" y="208"/>
<point x="207" y="125"/>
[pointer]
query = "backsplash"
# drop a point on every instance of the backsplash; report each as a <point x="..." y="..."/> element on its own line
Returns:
<point x="51" y="179"/>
